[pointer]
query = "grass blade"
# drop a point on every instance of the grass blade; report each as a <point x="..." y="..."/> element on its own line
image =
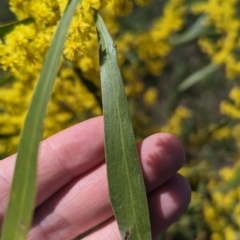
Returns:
<point x="198" y="28"/>
<point x="23" y="192"/>
<point x="197" y="77"/>
<point x="5" y="29"/>
<point x="126" y="184"/>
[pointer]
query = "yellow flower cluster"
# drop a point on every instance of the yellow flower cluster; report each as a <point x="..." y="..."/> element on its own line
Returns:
<point x="144" y="52"/>
<point x="222" y="133"/>
<point x="150" y="96"/>
<point x="28" y="42"/>
<point x="220" y="203"/>
<point x="232" y="109"/>
<point x="213" y="132"/>
<point x="215" y="200"/>
<point x="22" y="53"/>
<point x="174" y="124"/>
<point x="71" y="102"/>
<point x="222" y="213"/>
<point x="153" y="46"/>
<point x="222" y="15"/>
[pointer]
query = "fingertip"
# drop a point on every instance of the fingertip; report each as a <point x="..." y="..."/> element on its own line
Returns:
<point x="162" y="155"/>
<point x="168" y="203"/>
<point x="173" y="146"/>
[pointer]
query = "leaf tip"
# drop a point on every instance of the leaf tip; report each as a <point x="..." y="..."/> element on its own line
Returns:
<point x="126" y="234"/>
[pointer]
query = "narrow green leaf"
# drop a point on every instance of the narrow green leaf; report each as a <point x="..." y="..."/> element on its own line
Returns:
<point x="5" y="29"/>
<point x="125" y="179"/>
<point x="198" y="28"/>
<point x="197" y="77"/>
<point x="22" y="197"/>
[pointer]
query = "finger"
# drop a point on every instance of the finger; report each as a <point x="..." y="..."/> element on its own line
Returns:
<point x="62" y="157"/>
<point x="84" y="202"/>
<point x="166" y="204"/>
<point x="162" y="155"/>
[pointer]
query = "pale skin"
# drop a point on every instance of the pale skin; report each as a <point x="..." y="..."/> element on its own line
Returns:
<point x="72" y="184"/>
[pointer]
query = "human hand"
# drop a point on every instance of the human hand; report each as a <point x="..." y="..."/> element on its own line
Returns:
<point x="72" y="184"/>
